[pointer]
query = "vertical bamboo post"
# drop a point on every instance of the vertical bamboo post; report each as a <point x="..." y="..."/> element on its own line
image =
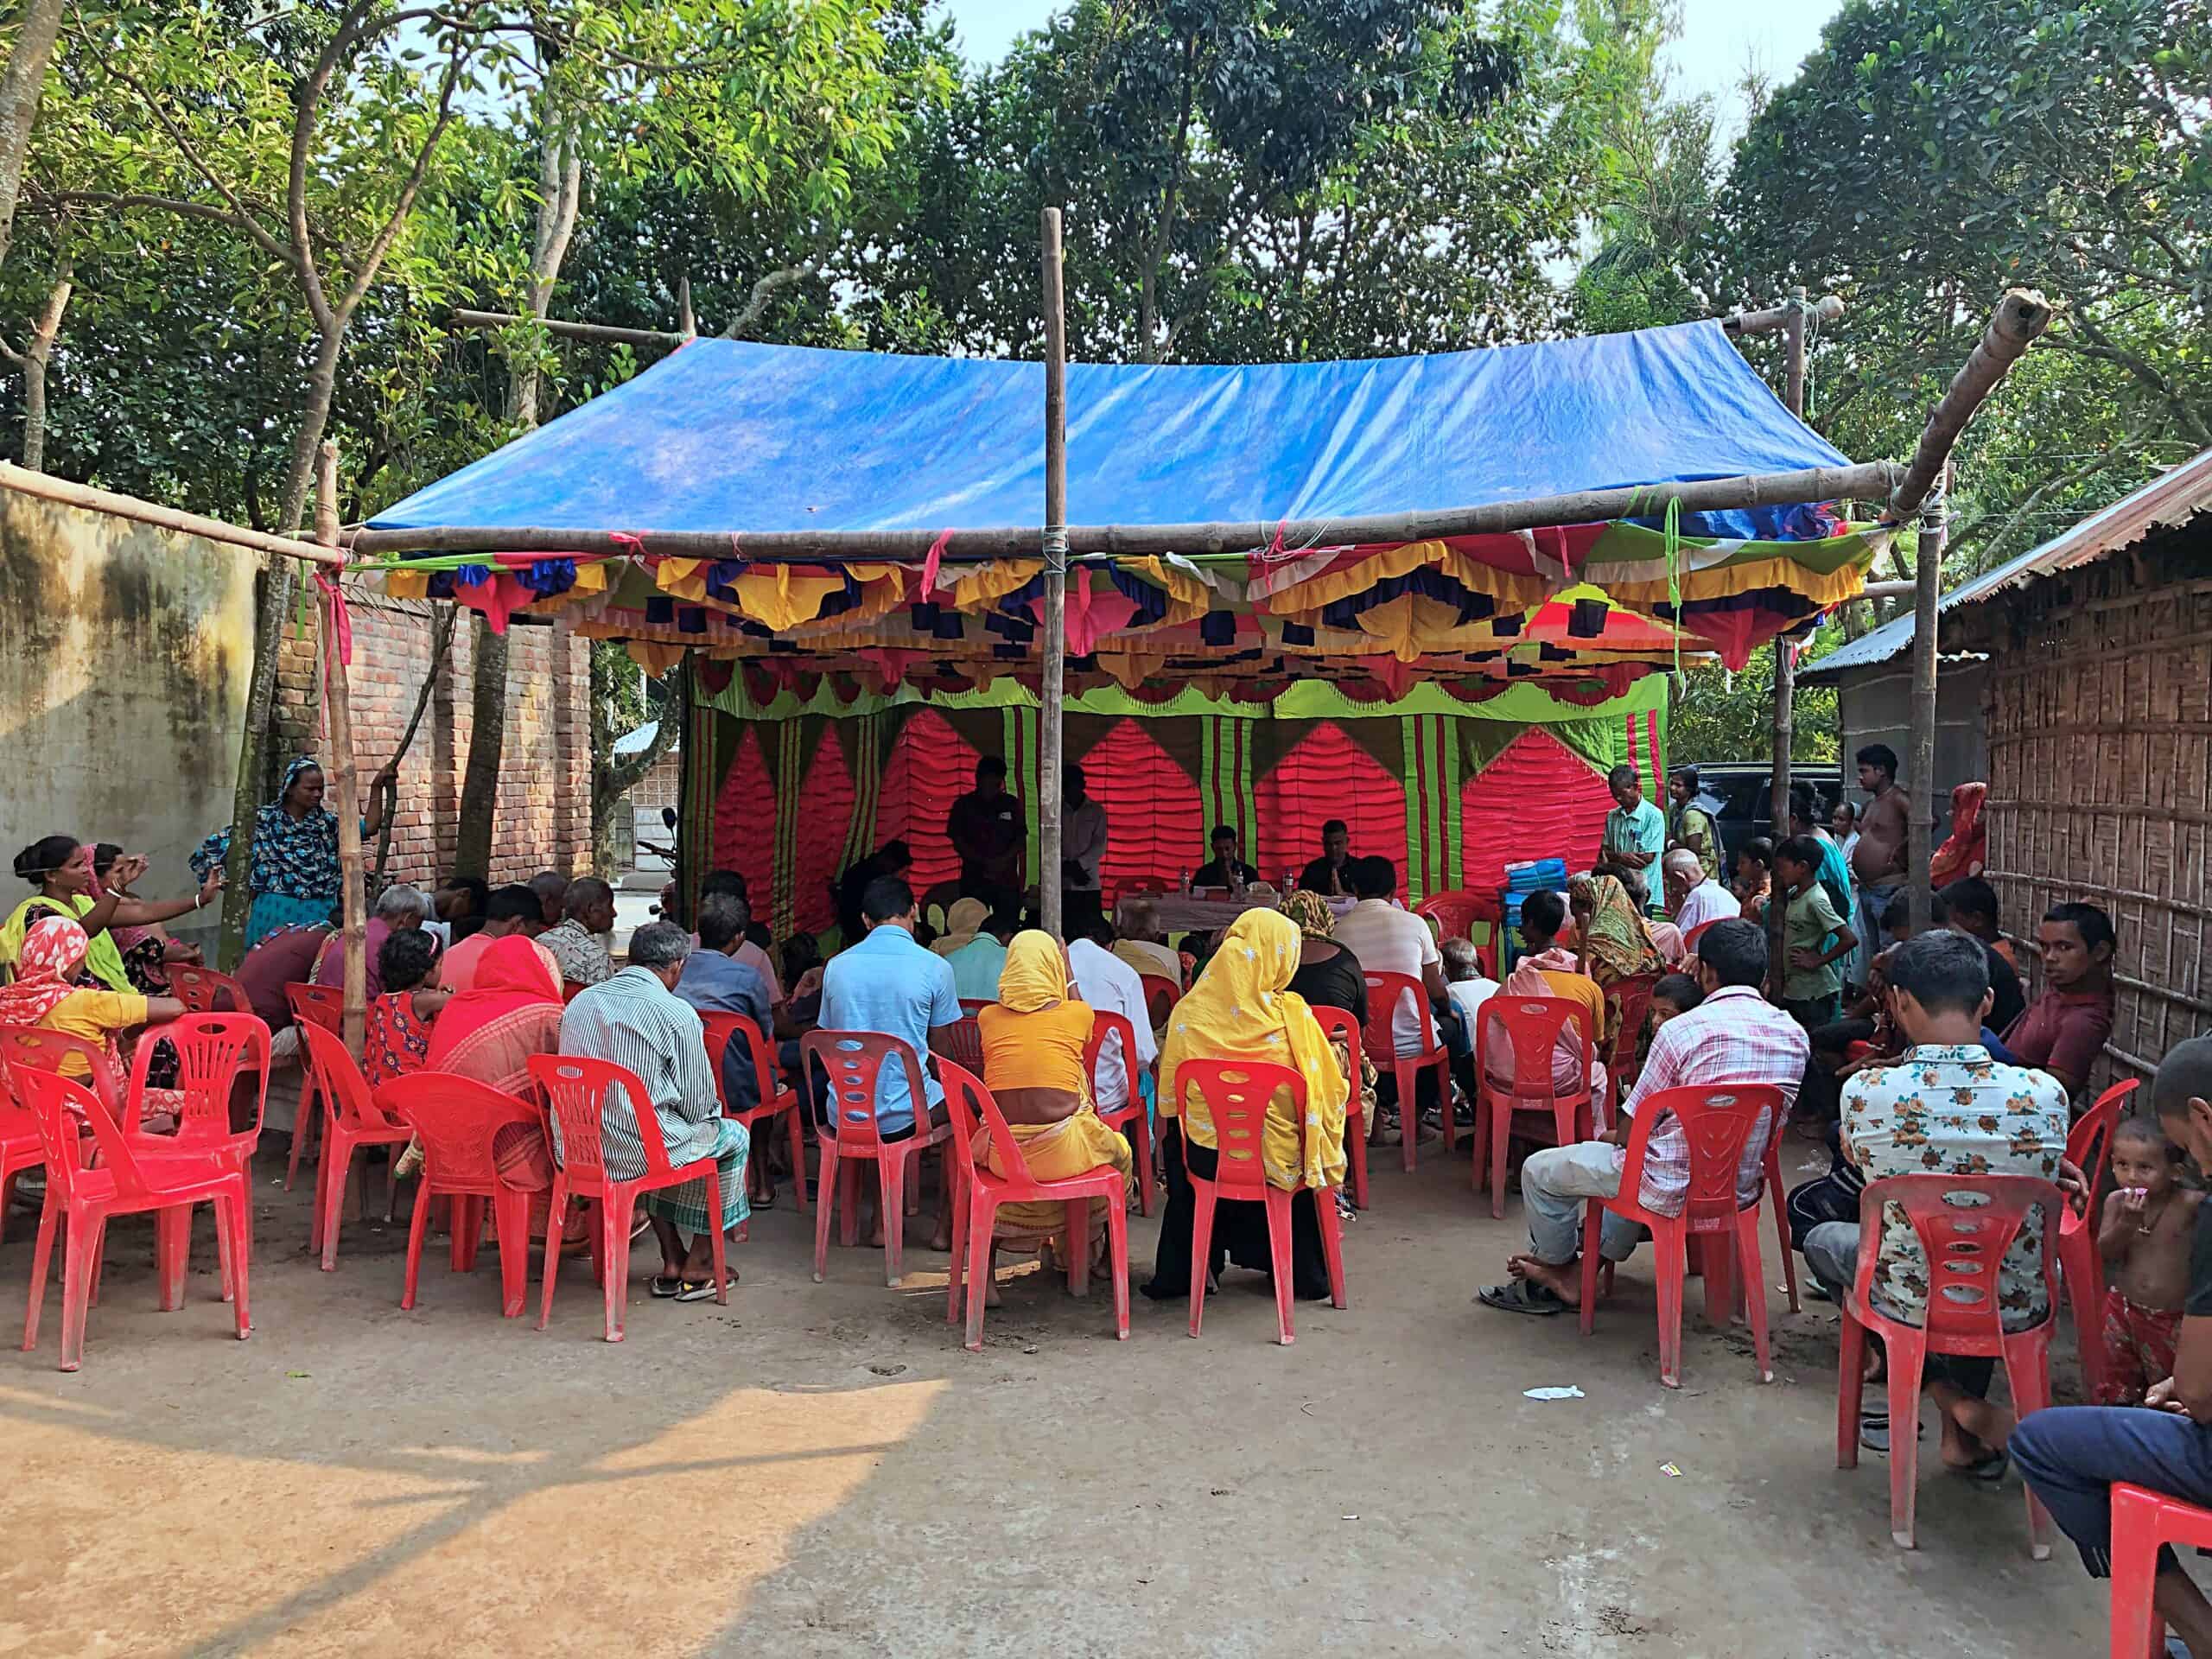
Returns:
<point x="1056" y="571"/>
<point x="1785" y="661"/>
<point x="337" y="700"/>
<point x="1920" y="764"/>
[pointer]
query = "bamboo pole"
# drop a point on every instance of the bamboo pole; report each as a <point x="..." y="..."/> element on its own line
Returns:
<point x="2020" y="317"/>
<point x="1920" y="767"/>
<point x="1052" y="685"/>
<point x="1785" y="666"/>
<point x="48" y="488"/>
<point x="1826" y="308"/>
<point x="1864" y="481"/>
<point x="344" y="782"/>
<point x="600" y="333"/>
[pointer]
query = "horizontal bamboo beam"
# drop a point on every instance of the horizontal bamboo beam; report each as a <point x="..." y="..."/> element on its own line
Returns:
<point x="1867" y="482"/>
<point x="1826" y="308"/>
<point x="149" y="512"/>
<point x="1888" y="590"/>
<point x="602" y="334"/>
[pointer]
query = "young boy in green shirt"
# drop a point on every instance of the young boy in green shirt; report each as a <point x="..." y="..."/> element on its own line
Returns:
<point x="1816" y="939"/>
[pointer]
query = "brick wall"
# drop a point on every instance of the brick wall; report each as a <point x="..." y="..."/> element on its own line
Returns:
<point x="544" y="801"/>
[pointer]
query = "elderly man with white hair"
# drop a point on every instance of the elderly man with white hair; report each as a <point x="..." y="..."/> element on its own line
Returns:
<point x="397" y="909"/>
<point x="1694" y="897"/>
<point x="636" y="1020"/>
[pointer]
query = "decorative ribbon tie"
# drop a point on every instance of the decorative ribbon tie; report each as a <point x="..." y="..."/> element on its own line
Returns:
<point x="930" y="562"/>
<point x="341" y="619"/>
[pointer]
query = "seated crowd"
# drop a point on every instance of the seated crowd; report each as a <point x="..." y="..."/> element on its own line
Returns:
<point x="1907" y="1051"/>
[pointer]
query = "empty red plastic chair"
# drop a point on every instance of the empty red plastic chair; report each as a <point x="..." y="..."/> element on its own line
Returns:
<point x="357" y="1116"/>
<point x="1627" y="1000"/>
<point x="1386" y="993"/>
<point x="1718" y="1122"/>
<point x="851" y="1062"/>
<point x="1457" y="912"/>
<point x="1237" y="1093"/>
<point x="1965" y="1224"/>
<point x="1161" y="994"/>
<point x="576" y="1093"/>
<point x="1131" y="1114"/>
<point x="1530" y="1026"/>
<point x="457" y="1119"/>
<point x="2087" y="1145"/>
<point x="202" y="990"/>
<point x="1337" y="1024"/>
<point x="133" y="1174"/>
<point x="776" y="1101"/>
<point x="312" y="1005"/>
<point x="981" y="1194"/>
<point x="211" y="1050"/>
<point x="2141" y="1521"/>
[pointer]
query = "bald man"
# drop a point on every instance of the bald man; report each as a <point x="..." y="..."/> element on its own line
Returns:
<point x="1693" y="896"/>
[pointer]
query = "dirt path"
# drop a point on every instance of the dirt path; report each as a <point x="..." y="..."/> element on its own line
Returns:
<point x="821" y="1467"/>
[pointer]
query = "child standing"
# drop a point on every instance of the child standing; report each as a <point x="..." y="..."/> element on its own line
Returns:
<point x="2149" y="1220"/>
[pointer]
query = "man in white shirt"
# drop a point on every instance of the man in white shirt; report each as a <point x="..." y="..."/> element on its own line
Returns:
<point x="1694" y="897"/>
<point x="1389" y="940"/>
<point x="1083" y="833"/>
<point x="1111" y="986"/>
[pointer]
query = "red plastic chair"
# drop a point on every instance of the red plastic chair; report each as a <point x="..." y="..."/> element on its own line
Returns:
<point x="847" y="1134"/>
<point x="576" y="1091"/>
<point x="1237" y="1093"/>
<point x="134" y="1173"/>
<point x="22" y="1146"/>
<point x="315" y="1005"/>
<point x="1456" y="911"/>
<point x="357" y="1116"/>
<point x="1131" y="1114"/>
<point x="1161" y="994"/>
<point x="1385" y="993"/>
<point x="571" y="989"/>
<point x="456" y="1119"/>
<point x="1627" y="1002"/>
<point x="202" y="990"/>
<point x="1716" y="1121"/>
<point x="1532" y="1026"/>
<point x="981" y="1194"/>
<point x="776" y="1101"/>
<point x="1339" y="1023"/>
<point x="211" y="1049"/>
<point x="1962" y="1244"/>
<point x="2141" y="1521"/>
<point x="1690" y="938"/>
<point x="2078" y="1258"/>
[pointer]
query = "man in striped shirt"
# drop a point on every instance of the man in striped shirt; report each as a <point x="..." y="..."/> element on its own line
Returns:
<point x="1733" y="1037"/>
<point x="636" y="1022"/>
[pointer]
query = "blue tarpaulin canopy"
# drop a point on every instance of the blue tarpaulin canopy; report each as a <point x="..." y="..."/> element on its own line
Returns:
<point x="732" y="438"/>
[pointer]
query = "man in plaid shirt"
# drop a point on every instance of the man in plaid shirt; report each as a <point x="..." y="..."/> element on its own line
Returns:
<point x="1733" y="1037"/>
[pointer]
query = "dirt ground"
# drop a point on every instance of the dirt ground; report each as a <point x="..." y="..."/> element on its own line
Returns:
<point x="822" y="1466"/>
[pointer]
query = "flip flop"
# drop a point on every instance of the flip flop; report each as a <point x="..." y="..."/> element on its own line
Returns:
<point x="702" y="1290"/>
<point x="663" y="1286"/>
<point x="1986" y="1472"/>
<point x="1521" y="1296"/>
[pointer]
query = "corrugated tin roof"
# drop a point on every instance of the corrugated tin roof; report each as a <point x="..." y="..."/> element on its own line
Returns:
<point x="2172" y="498"/>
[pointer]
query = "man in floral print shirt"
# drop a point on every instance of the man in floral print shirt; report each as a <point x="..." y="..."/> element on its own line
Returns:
<point x="1945" y="1107"/>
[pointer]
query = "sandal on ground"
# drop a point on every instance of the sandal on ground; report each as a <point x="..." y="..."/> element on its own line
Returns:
<point x="664" y="1286"/>
<point x="1985" y="1471"/>
<point x="1874" y="1431"/>
<point x="702" y="1290"/>
<point x="1521" y="1296"/>
<point x="766" y="1200"/>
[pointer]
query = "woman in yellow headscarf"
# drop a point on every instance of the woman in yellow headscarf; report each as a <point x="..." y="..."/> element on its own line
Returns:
<point x="1033" y="1038"/>
<point x="1242" y="1008"/>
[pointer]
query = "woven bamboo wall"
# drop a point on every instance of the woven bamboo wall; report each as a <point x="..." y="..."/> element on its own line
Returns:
<point x="2098" y="710"/>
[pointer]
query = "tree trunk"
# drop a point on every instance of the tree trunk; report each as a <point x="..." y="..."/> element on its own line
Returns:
<point x="611" y="779"/>
<point x="21" y="83"/>
<point x="37" y="352"/>
<point x="1163" y="233"/>
<point x="487" y="734"/>
<point x="560" y="185"/>
<point x="278" y="591"/>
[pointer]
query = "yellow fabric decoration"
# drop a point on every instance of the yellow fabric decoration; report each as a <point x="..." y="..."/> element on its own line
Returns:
<point x="976" y="586"/>
<point x="1727" y="581"/>
<point x="1241" y="1009"/>
<point x="1509" y="589"/>
<point x="407" y="584"/>
<point x="655" y="660"/>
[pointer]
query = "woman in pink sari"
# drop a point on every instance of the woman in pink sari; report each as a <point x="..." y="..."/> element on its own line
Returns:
<point x="489" y="1032"/>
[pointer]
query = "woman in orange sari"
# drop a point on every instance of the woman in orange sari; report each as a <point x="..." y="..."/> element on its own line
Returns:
<point x="489" y="1032"/>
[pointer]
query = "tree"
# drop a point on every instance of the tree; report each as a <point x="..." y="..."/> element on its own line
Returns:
<point x="22" y="83"/>
<point x="622" y="700"/>
<point x="1933" y="152"/>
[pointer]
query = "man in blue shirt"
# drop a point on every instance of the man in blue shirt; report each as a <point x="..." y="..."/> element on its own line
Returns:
<point x="888" y="983"/>
<point x="1636" y="830"/>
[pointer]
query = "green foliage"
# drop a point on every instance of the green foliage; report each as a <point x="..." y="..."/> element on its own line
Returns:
<point x="1714" y="716"/>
